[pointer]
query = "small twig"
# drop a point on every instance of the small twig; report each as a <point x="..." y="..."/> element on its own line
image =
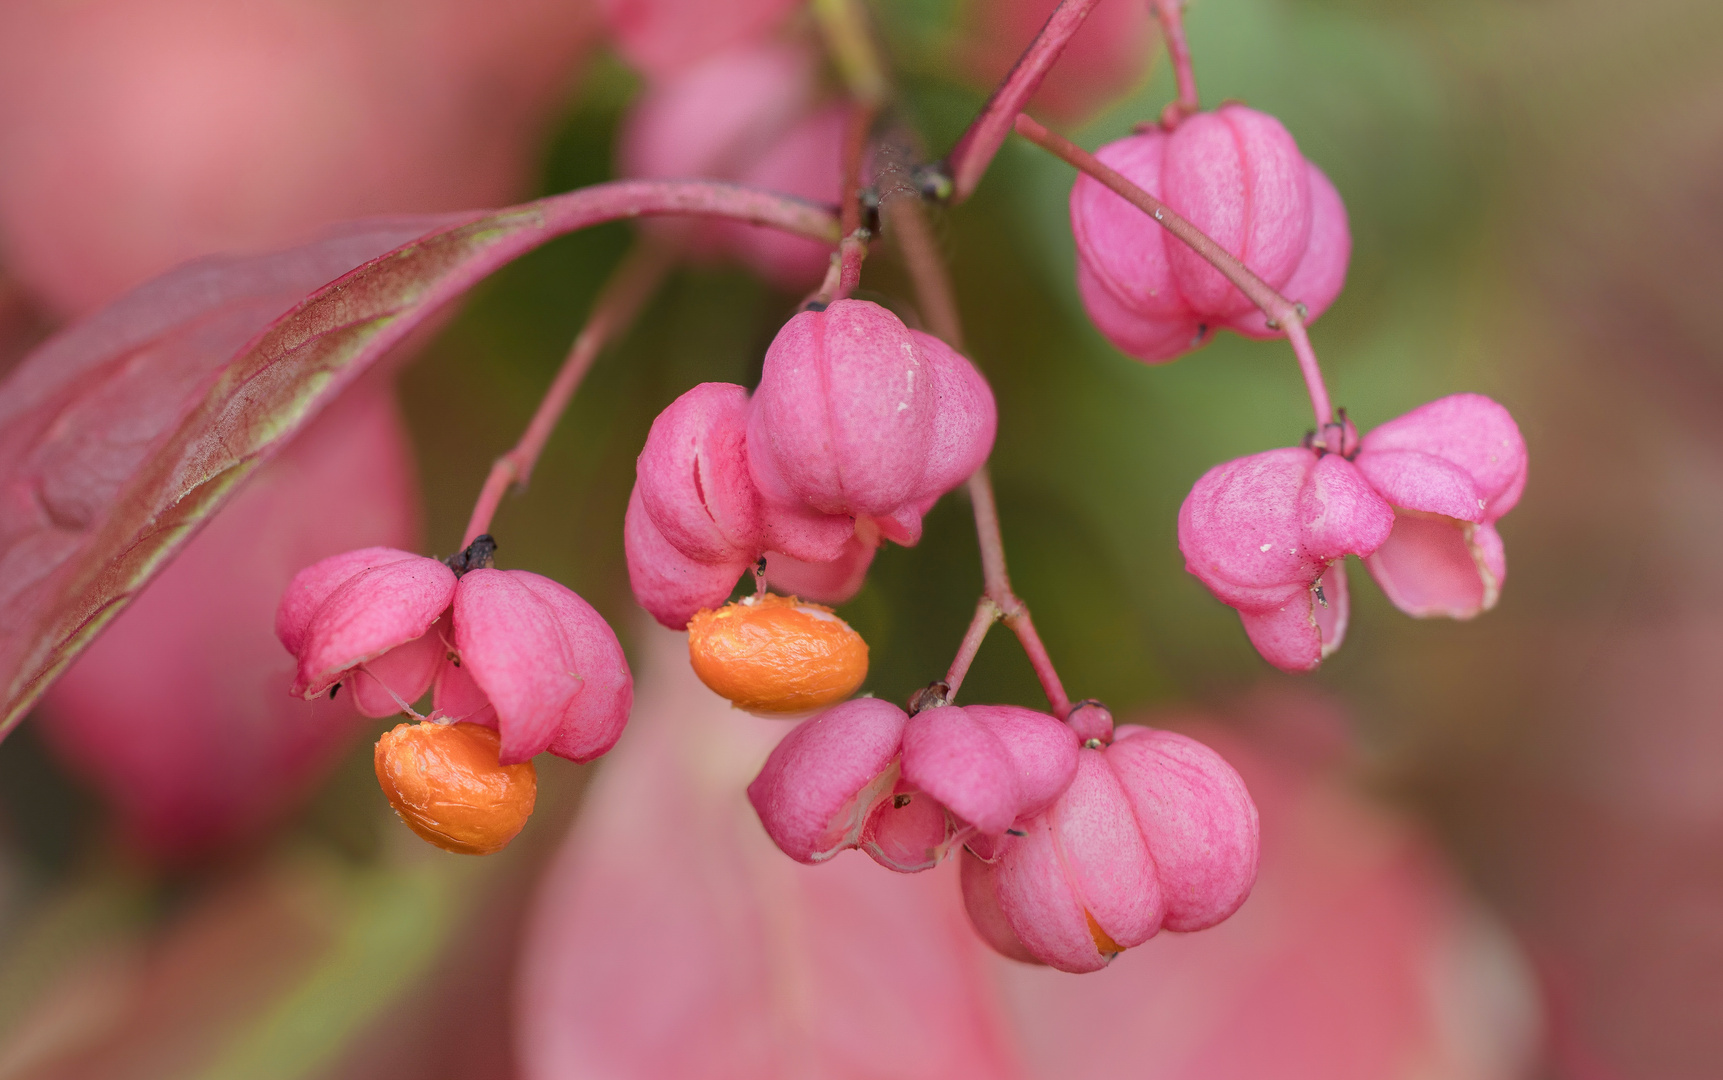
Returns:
<point x="1311" y="369"/>
<point x="1171" y="16"/>
<point x="844" y="274"/>
<point x="998" y="589"/>
<point x="853" y="248"/>
<point x="850" y="255"/>
<point x="1283" y="314"/>
<point x="856" y="132"/>
<point x="627" y="291"/>
<point x="986" y="614"/>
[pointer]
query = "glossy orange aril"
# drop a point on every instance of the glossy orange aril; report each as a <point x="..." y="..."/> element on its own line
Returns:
<point x="445" y="782"/>
<point x="775" y="654"/>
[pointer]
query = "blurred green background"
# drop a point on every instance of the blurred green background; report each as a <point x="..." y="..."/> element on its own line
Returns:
<point x="1536" y="199"/>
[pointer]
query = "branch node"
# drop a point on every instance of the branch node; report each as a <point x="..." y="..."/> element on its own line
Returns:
<point x="934" y="182"/>
<point x="478" y="555"/>
<point x="934" y="695"/>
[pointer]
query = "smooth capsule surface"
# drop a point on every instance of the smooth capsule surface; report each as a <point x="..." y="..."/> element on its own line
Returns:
<point x="445" y="782"/>
<point x="775" y="654"/>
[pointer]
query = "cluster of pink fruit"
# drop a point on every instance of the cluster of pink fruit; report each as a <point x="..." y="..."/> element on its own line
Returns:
<point x="517" y="665"/>
<point x="505" y="649"/>
<point x="1079" y="840"/>
<point x="859" y="424"/>
<point x="1418" y="497"/>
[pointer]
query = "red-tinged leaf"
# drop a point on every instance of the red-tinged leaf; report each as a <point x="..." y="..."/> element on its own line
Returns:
<point x="121" y="435"/>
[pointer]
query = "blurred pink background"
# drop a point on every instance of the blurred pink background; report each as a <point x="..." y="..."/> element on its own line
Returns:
<point x="1491" y="849"/>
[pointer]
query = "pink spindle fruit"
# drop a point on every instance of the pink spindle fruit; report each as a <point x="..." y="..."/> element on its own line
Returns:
<point x="839" y="422"/>
<point x="856" y="414"/>
<point x="537" y="663"/>
<point x="1358" y="956"/>
<point x="1154" y="830"/>
<point x="694" y="519"/>
<point x="1238" y="176"/>
<point x="179" y="712"/>
<point x="694" y="469"/>
<point x="859" y="425"/>
<point x="1267" y="534"/>
<point x="1418" y="502"/>
<point x="821" y="784"/>
<point x="365" y="617"/>
<point x="510" y="650"/>
<point x="860" y="775"/>
<point x="1450" y="469"/>
<point x="667" y="583"/>
<point x="990" y="765"/>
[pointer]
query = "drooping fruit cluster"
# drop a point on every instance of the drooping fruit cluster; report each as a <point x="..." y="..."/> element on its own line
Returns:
<point x="1417" y="499"/>
<point x="507" y="650"/>
<point x="1238" y="176"/>
<point x="1077" y="840"/>
<point x="1072" y="851"/>
<point x="858" y="426"/>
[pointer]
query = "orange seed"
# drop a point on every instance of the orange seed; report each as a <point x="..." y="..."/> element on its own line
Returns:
<point x="775" y="654"/>
<point x="447" y="785"/>
<point x="1106" y="945"/>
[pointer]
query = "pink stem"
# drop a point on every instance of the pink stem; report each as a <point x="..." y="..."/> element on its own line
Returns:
<point x="828" y="289"/>
<point x="627" y="291"/>
<point x="853" y="248"/>
<point x="844" y="272"/>
<point x="998" y="589"/>
<point x="1171" y="15"/>
<point x="860" y="122"/>
<point x="1312" y="370"/>
<point x="558" y="214"/>
<point x="1282" y="313"/>
<point x="986" y="614"/>
<point x="969" y="159"/>
<point x="850" y="255"/>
